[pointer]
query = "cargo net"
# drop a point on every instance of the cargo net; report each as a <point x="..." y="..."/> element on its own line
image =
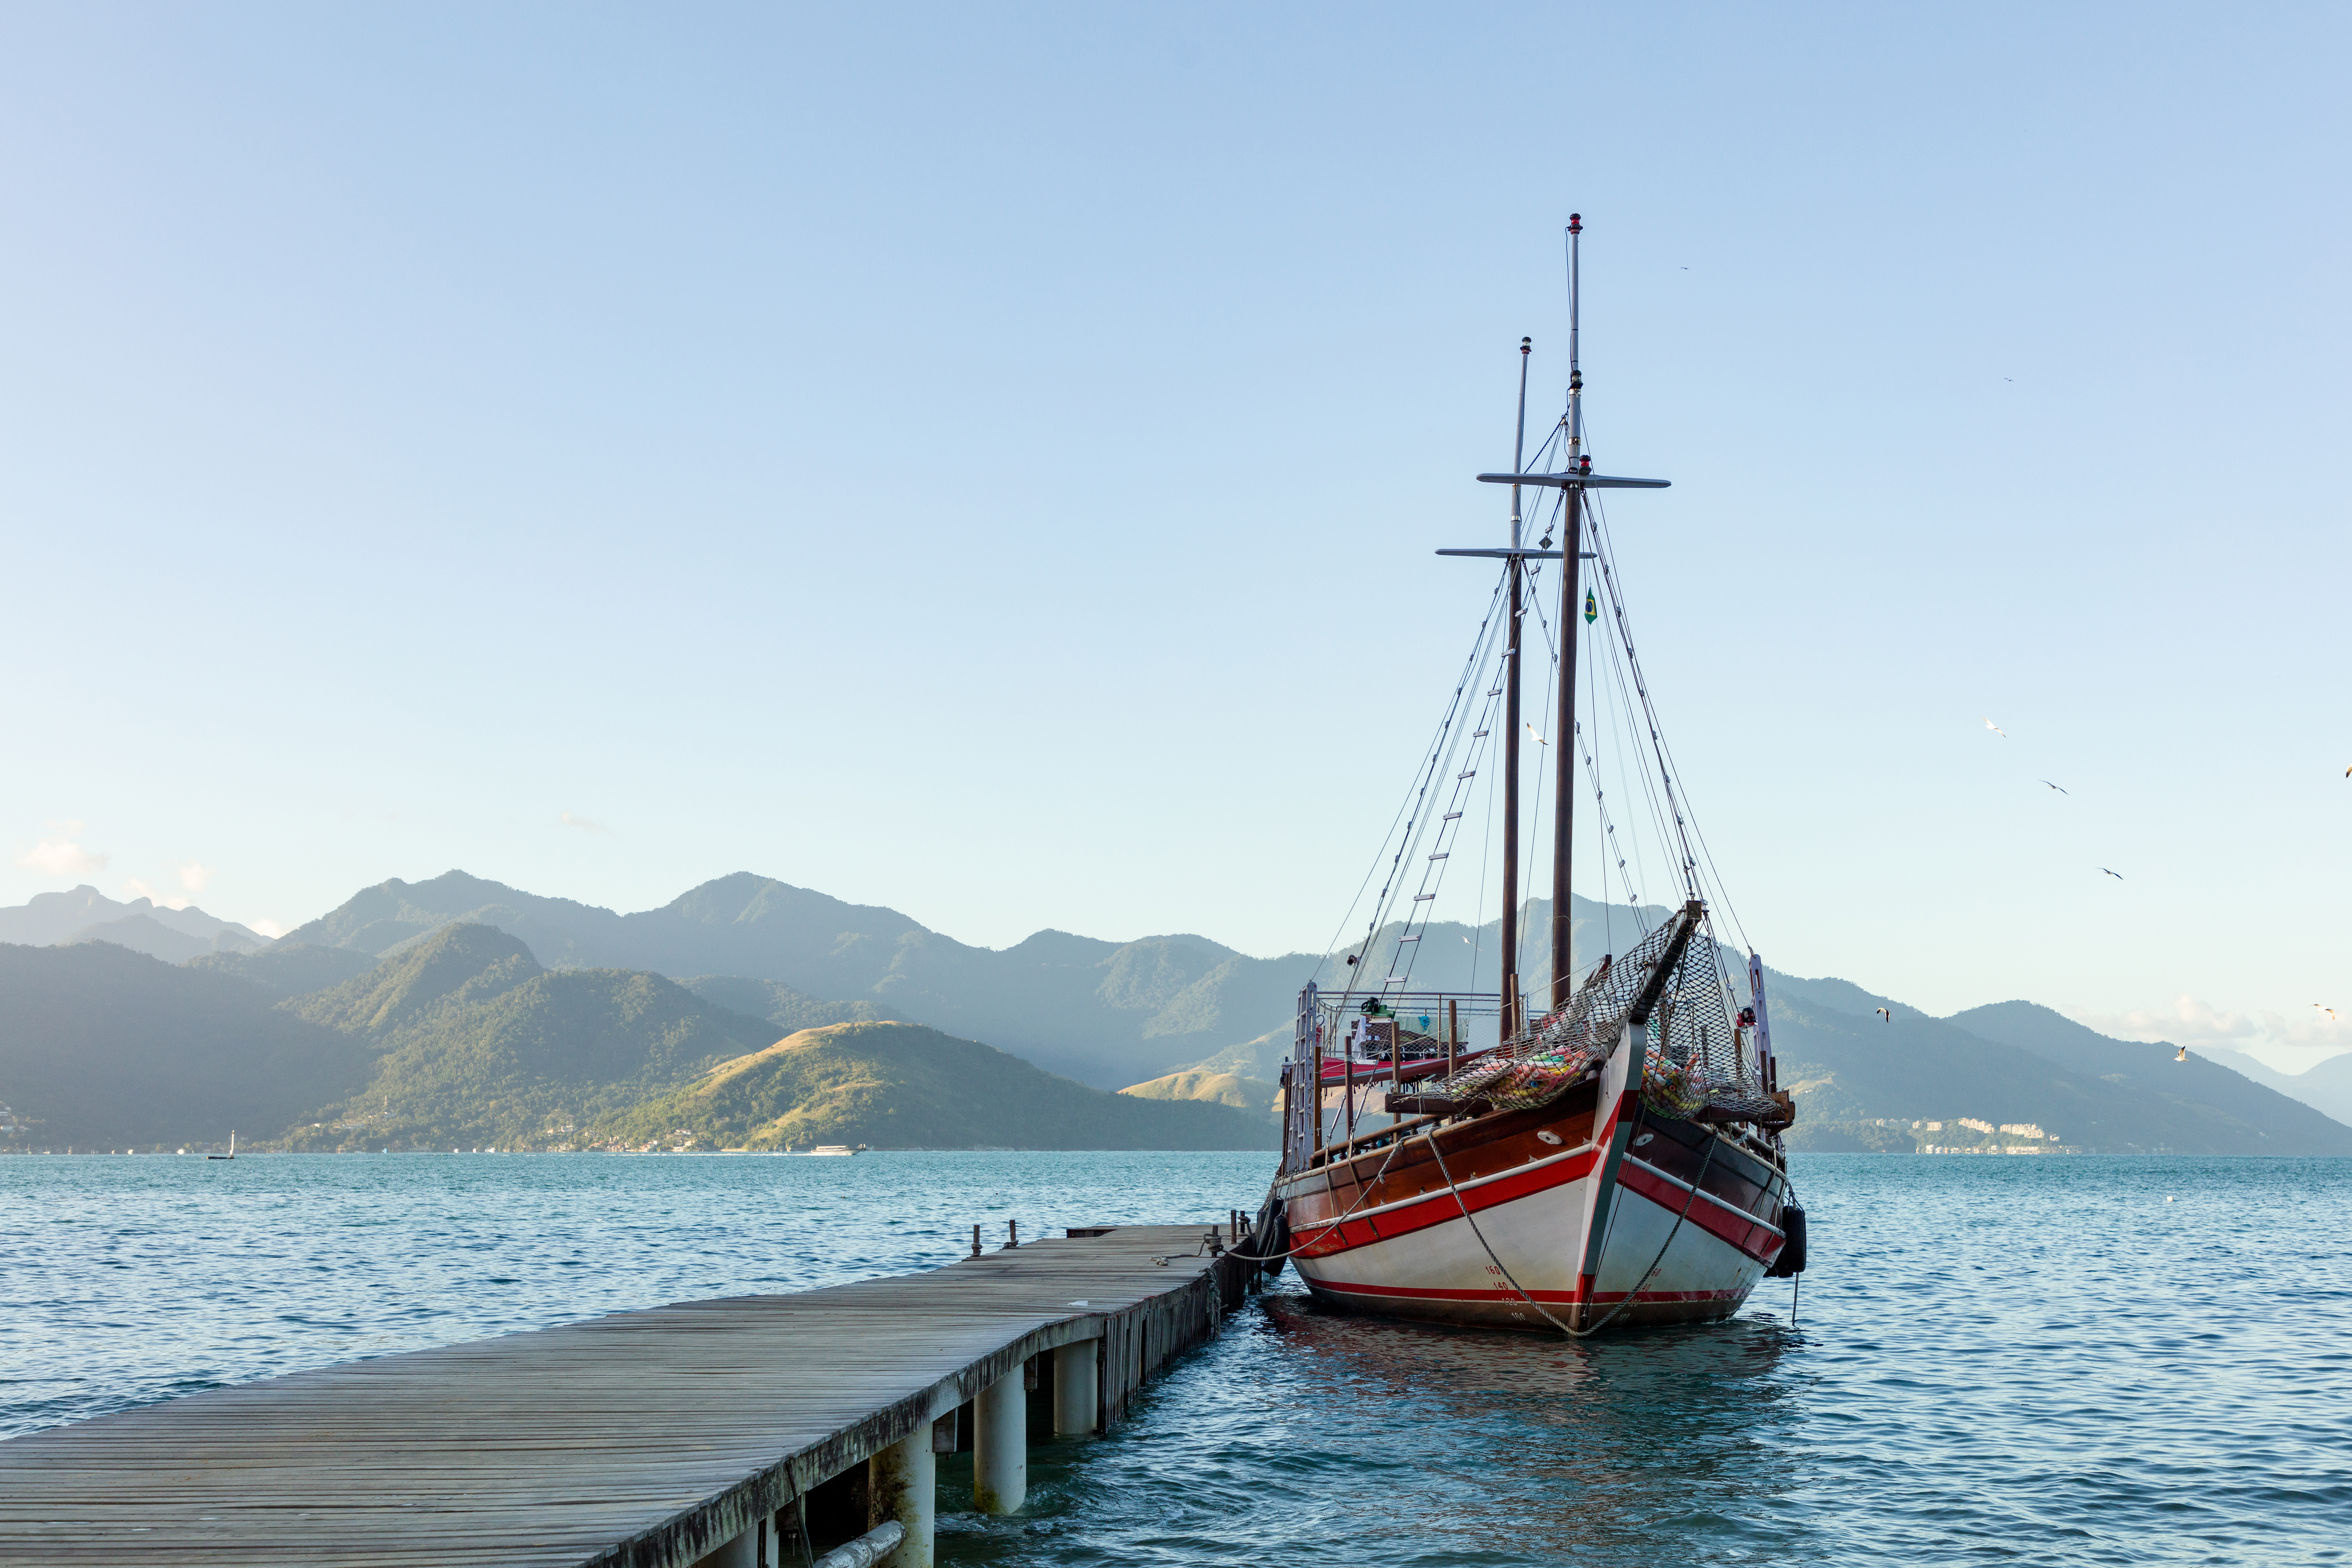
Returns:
<point x="1698" y="1064"/>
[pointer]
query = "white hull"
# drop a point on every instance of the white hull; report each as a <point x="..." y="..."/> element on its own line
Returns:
<point x="1518" y="1258"/>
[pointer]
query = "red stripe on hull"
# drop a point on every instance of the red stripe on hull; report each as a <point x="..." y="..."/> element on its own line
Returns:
<point x="1440" y="1208"/>
<point x="1505" y="1296"/>
<point x="1749" y="1238"/>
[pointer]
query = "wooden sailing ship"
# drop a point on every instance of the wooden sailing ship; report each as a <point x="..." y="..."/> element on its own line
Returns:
<point x="1610" y="1160"/>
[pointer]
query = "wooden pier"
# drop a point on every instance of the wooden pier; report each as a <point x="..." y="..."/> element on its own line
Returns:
<point x="700" y="1432"/>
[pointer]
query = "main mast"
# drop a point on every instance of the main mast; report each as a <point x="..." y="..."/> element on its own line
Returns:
<point x="1518" y="568"/>
<point x="1575" y="480"/>
<point x="1563" y="735"/>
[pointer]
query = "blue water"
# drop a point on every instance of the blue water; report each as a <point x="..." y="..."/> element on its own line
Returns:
<point x="2054" y="1360"/>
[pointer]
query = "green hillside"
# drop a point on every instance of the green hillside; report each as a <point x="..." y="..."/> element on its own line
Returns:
<point x="477" y="1043"/>
<point x="288" y="969"/>
<point x="104" y="1047"/>
<point x="901" y="1086"/>
<point x="1222" y="1088"/>
<point x="789" y="1010"/>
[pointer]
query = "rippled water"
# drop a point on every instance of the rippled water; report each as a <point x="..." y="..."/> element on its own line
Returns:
<point x="2039" y="1361"/>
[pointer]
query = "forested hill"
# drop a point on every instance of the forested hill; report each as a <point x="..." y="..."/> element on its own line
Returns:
<point x="104" y="1047"/>
<point x="462" y="1038"/>
<point x="1109" y="1013"/>
<point x="901" y="1086"/>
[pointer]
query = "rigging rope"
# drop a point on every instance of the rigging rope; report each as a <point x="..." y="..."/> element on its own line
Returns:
<point x="1415" y="793"/>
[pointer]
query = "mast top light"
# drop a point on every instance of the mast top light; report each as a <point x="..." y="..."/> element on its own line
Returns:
<point x="1575" y="481"/>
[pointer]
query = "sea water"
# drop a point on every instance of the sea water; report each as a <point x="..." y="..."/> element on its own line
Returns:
<point x="2038" y="1360"/>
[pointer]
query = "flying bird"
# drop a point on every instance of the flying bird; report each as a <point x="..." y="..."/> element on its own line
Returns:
<point x="1533" y="734"/>
<point x="2061" y="789"/>
<point x="2118" y="876"/>
<point x="2183" y="1055"/>
<point x="2329" y="1011"/>
<point x="1883" y="1014"/>
<point x="1997" y="728"/>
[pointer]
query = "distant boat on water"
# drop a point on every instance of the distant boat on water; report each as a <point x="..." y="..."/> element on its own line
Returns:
<point x="232" y="1149"/>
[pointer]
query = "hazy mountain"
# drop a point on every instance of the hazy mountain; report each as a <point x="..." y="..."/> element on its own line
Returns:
<point x="900" y="1086"/>
<point x="462" y="1036"/>
<point x="145" y="933"/>
<point x="789" y="1010"/>
<point x="1851" y="1069"/>
<point x="102" y="1046"/>
<point x="475" y="1042"/>
<point x="1126" y="1014"/>
<point x="2156" y="1067"/>
<point x="2327" y="1088"/>
<point x="82" y="914"/>
<point x="288" y="968"/>
<point x="1106" y="1013"/>
<point x="1220" y="1088"/>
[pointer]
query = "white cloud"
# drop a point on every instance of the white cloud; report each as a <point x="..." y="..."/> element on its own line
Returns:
<point x="582" y="824"/>
<point x="270" y="929"/>
<point x="2284" y="1040"/>
<point x="2187" y="1022"/>
<point x="194" y="876"/>
<point x="58" y="853"/>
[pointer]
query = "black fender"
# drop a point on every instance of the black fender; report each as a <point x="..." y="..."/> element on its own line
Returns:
<point x="1792" y="1260"/>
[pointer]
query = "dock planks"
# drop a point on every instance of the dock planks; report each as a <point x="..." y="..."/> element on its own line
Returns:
<point x="641" y="1440"/>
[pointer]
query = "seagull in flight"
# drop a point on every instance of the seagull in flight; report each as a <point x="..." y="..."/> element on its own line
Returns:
<point x="2118" y="876"/>
<point x="1997" y="728"/>
<point x="1536" y="736"/>
<point x="2183" y="1055"/>
<point x="2060" y="788"/>
<point x="1883" y="1014"/>
<point x="2329" y="1011"/>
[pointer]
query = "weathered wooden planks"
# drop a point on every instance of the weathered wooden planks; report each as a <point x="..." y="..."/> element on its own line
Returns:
<point x="641" y="1440"/>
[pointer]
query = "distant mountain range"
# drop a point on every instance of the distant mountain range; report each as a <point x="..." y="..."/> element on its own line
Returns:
<point x="461" y="1039"/>
<point x="1105" y="1013"/>
<point x="85" y="914"/>
<point x="2327" y="1088"/>
<point x="487" y="1014"/>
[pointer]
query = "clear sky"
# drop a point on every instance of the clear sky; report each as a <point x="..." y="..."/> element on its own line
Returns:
<point x="984" y="460"/>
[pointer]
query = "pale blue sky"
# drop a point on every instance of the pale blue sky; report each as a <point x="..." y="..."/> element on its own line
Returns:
<point x="984" y="460"/>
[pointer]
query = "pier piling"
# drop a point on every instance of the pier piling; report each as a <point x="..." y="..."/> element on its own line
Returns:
<point x="1077" y="1388"/>
<point x="1000" y="1445"/>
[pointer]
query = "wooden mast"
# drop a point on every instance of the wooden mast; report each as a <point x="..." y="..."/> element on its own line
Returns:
<point x="1510" y="973"/>
<point x="1564" y="738"/>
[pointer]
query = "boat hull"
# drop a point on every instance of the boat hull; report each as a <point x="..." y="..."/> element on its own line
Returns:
<point x="1495" y="1227"/>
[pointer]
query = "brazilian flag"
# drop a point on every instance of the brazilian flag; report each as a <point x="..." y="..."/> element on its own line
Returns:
<point x="1591" y="609"/>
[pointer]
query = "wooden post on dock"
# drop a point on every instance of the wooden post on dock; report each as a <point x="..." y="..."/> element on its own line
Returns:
<point x="999" y="1445"/>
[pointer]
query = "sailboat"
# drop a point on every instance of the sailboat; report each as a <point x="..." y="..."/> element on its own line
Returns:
<point x="232" y="1149"/>
<point x="1605" y="1156"/>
